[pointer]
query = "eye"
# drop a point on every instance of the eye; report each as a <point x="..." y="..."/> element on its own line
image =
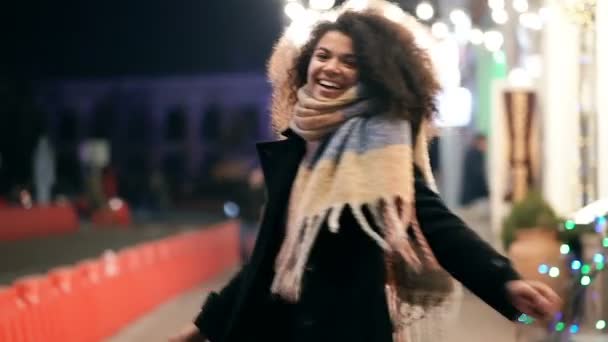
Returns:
<point x="350" y="63"/>
<point x="322" y="56"/>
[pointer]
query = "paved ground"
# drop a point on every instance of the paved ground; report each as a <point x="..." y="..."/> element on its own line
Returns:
<point x="476" y="321"/>
<point x="169" y="317"/>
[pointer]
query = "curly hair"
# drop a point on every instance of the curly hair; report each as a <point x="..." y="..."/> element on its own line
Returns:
<point x="391" y="65"/>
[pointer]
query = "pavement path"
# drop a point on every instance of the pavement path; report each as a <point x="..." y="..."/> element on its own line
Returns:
<point x="170" y="317"/>
<point x="476" y="321"/>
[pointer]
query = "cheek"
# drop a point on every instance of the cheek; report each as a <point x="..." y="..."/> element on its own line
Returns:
<point x="312" y="70"/>
<point x="353" y="77"/>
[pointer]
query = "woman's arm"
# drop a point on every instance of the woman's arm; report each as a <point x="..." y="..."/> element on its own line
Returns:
<point x="463" y="253"/>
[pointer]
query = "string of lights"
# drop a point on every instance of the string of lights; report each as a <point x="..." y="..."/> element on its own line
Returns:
<point x="459" y="23"/>
<point x="592" y="219"/>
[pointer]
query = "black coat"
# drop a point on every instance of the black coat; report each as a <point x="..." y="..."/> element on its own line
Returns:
<point x="343" y="287"/>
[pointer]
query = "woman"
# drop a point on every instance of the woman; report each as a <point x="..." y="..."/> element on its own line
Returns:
<point x="353" y="233"/>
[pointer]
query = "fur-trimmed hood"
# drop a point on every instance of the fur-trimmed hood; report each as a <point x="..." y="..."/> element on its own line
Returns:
<point x="283" y="56"/>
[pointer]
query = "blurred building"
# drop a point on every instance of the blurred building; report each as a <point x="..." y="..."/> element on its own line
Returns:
<point x="180" y="126"/>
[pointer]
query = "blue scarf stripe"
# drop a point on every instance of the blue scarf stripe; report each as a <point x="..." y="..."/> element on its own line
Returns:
<point x="372" y="133"/>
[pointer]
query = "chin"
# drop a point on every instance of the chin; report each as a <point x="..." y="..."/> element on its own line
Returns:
<point x="322" y="94"/>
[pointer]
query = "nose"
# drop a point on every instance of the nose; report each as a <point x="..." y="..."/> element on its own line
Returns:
<point x="332" y="66"/>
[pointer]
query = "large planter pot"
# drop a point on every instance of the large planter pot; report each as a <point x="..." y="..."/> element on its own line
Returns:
<point x="533" y="247"/>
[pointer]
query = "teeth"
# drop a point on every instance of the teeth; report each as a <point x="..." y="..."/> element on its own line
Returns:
<point x="329" y="84"/>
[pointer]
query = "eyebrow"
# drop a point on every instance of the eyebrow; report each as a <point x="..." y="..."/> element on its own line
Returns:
<point x="348" y="55"/>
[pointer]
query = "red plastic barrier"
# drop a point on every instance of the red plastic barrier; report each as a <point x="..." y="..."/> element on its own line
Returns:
<point x="96" y="298"/>
<point x="70" y="316"/>
<point x="41" y="304"/>
<point x="88" y="284"/>
<point x="108" y="295"/>
<point x="10" y="313"/>
<point x="20" y="223"/>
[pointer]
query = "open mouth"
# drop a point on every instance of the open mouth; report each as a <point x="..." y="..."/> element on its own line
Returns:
<point x="329" y="85"/>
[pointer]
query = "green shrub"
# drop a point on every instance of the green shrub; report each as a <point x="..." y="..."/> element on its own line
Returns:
<point x="531" y="212"/>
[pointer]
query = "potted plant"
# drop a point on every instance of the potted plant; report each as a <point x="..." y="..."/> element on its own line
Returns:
<point x="532" y="239"/>
<point x="532" y="215"/>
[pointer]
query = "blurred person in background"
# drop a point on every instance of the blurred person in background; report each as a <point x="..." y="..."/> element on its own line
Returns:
<point x="354" y="243"/>
<point x="474" y="194"/>
<point x="44" y="170"/>
<point x="474" y="181"/>
<point x="109" y="182"/>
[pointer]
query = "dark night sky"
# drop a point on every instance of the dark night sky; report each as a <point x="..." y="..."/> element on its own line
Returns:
<point x="92" y="38"/>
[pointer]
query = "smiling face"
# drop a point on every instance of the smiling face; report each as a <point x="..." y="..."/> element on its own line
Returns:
<point x="333" y="67"/>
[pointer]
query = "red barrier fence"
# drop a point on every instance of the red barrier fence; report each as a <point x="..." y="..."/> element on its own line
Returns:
<point x="20" y="223"/>
<point x="95" y="298"/>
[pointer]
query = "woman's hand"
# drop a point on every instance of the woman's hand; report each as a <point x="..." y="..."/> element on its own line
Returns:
<point x="189" y="333"/>
<point x="534" y="298"/>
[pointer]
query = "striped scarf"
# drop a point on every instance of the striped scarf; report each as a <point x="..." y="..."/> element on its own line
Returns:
<point x="364" y="161"/>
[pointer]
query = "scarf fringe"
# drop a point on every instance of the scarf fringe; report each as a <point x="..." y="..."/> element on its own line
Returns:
<point x="290" y="269"/>
<point x="334" y="217"/>
<point x="362" y="221"/>
<point x="426" y="327"/>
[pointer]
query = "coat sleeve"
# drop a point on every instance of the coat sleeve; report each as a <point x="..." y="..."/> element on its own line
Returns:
<point x="215" y="312"/>
<point x="463" y="253"/>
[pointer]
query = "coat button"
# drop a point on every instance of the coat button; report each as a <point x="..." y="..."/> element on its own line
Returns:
<point x="308" y="322"/>
<point x="499" y="263"/>
<point x="305" y="320"/>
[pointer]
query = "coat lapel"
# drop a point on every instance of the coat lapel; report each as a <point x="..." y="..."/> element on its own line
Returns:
<point x="280" y="161"/>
